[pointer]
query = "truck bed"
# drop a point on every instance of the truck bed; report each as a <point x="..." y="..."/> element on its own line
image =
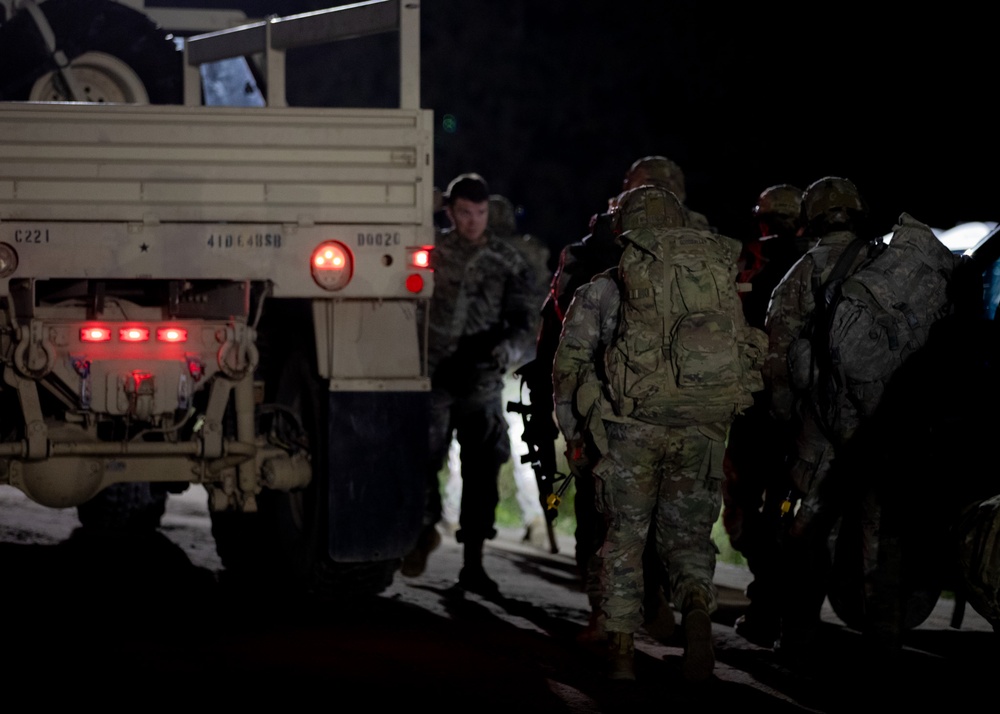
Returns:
<point x="164" y="164"/>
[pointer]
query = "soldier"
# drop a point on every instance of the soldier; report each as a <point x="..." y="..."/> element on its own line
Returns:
<point x="661" y="171"/>
<point x="651" y="475"/>
<point x="782" y="241"/>
<point x="758" y="448"/>
<point x="578" y="263"/>
<point x="834" y="215"/>
<point x="503" y="224"/>
<point x="479" y="314"/>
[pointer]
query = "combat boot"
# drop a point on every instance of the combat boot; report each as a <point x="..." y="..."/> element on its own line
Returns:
<point x="699" y="656"/>
<point x="472" y="577"/>
<point x="621" y="656"/>
<point x="594" y="632"/>
<point x="415" y="562"/>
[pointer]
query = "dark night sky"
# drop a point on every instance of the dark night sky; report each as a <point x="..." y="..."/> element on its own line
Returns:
<point x="555" y="98"/>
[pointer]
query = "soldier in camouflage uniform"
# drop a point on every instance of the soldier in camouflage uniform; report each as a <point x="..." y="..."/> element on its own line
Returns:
<point x="758" y="446"/>
<point x="578" y="263"/>
<point x="834" y="213"/>
<point x="479" y="314"/>
<point x="667" y="478"/>
<point x="502" y="222"/>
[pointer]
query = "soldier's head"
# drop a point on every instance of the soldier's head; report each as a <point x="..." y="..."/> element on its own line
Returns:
<point x="658" y="171"/>
<point x="467" y="203"/>
<point x="647" y="206"/>
<point x="832" y="203"/>
<point x="778" y="210"/>
<point x="502" y="219"/>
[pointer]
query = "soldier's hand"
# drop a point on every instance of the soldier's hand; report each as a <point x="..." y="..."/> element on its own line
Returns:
<point x="576" y="456"/>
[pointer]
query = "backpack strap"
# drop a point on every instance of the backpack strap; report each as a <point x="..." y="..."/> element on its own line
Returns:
<point x="826" y="296"/>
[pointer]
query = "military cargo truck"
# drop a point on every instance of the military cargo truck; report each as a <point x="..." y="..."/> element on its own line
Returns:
<point x="216" y="295"/>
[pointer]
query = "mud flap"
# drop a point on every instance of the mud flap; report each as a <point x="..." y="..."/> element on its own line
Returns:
<point x="377" y="457"/>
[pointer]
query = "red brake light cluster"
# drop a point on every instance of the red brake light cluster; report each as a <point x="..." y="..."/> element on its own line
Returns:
<point x="419" y="258"/>
<point x="135" y="333"/>
<point x="332" y="265"/>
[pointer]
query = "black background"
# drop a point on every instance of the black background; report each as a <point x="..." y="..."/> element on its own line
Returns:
<point x="553" y="99"/>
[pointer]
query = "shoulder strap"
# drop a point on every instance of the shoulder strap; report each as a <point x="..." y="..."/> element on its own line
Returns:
<point x="840" y="269"/>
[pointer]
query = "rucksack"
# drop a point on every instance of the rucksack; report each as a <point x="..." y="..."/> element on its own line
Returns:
<point x="683" y="353"/>
<point x="881" y="315"/>
<point x="806" y="353"/>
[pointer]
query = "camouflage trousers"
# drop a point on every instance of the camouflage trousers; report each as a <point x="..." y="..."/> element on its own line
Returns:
<point x="670" y="477"/>
<point x="808" y="472"/>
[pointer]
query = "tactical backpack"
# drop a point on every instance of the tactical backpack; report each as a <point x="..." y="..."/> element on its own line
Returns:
<point x="882" y="315"/>
<point x="683" y="353"/>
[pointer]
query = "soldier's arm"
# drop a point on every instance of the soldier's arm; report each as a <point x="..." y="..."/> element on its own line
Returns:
<point x="784" y="324"/>
<point x="590" y="321"/>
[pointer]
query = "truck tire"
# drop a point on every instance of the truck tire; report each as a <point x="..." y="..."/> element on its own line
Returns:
<point x="284" y="544"/>
<point x="124" y="507"/>
<point x="121" y="54"/>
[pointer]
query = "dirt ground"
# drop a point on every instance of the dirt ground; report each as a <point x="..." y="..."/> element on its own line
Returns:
<point x="153" y="618"/>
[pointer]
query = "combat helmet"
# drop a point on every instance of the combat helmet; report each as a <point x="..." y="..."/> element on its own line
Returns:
<point x="658" y="171"/>
<point x="647" y="206"/>
<point x="502" y="218"/>
<point x="782" y="199"/>
<point x="832" y="199"/>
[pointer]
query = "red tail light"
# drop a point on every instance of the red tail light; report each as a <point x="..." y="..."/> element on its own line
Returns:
<point x="171" y="334"/>
<point x="95" y="334"/>
<point x="415" y="282"/>
<point x="332" y="265"/>
<point x="133" y="334"/>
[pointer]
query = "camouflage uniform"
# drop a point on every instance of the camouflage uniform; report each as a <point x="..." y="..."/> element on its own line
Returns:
<point x="672" y="473"/>
<point x="578" y="263"/>
<point x="794" y="399"/>
<point x="792" y="306"/>
<point x="479" y="314"/>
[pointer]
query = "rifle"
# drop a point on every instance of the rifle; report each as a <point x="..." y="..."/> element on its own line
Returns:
<point x="540" y="433"/>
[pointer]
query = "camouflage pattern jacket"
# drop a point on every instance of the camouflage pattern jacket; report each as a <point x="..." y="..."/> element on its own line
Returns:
<point x="792" y="305"/>
<point x="578" y="263"/>
<point x="577" y="369"/>
<point x="483" y="295"/>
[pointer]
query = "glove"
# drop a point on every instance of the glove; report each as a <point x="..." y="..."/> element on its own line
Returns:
<point x="577" y="458"/>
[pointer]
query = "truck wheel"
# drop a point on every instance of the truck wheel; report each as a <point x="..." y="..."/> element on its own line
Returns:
<point x="286" y="542"/>
<point x="124" y="507"/>
<point x="118" y="54"/>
